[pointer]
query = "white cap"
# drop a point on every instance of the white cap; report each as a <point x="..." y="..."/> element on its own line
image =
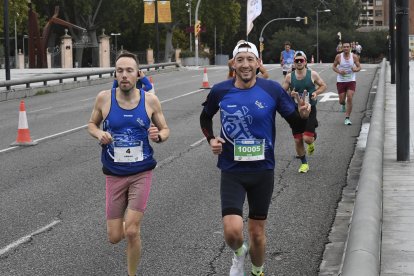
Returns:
<point x="300" y="54"/>
<point x="244" y="46"/>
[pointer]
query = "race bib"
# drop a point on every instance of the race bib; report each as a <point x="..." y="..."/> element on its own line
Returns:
<point x="249" y="149"/>
<point x="128" y="152"/>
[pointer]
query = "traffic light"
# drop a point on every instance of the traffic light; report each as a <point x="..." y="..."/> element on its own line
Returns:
<point x="197" y="28"/>
<point x="306" y="20"/>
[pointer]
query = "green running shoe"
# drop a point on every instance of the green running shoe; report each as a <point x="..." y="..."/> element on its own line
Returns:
<point x="304" y="168"/>
<point x="261" y="274"/>
<point x="311" y="149"/>
<point x="347" y="122"/>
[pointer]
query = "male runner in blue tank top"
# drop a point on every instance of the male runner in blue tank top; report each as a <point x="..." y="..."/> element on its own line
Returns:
<point x="298" y="81"/>
<point x="245" y="150"/>
<point x="130" y="118"/>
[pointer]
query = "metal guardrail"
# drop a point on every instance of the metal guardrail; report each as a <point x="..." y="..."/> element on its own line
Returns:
<point x="9" y="83"/>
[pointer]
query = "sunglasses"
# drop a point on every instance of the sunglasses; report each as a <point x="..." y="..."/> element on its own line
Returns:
<point x="299" y="60"/>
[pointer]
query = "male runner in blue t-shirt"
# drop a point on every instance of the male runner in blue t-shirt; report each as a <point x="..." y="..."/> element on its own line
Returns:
<point x="245" y="150"/>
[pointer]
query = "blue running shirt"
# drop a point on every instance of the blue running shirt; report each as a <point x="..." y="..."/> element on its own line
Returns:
<point x="248" y="114"/>
<point x="129" y="130"/>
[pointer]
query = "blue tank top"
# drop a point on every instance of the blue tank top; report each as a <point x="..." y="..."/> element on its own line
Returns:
<point x="130" y="152"/>
<point x="248" y="114"/>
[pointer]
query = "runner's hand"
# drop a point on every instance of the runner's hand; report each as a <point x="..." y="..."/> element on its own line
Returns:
<point x="294" y="94"/>
<point x="153" y="133"/>
<point x="303" y="107"/>
<point x="216" y="145"/>
<point x="105" y="138"/>
<point x="141" y="74"/>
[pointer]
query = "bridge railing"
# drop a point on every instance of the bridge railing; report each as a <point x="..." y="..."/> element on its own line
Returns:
<point x="100" y="73"/>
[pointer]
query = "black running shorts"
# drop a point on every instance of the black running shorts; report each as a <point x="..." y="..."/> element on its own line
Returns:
<point x="311" y="123"/>
<point x="257" y="185"/>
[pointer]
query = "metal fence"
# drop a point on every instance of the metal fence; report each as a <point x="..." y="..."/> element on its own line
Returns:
<point x="100" y="73"/>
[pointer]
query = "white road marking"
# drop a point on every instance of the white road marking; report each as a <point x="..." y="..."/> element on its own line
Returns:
<point x="198" y="142"/>
<point x="27" y="238"/>
<point x="37" y="110"/>
<point x="328" y="96"/>
<point x="60" y="133"/>
<point x="183" y="95"/>
<point x="88" y="99"/>
<point x="84" y="126"/>
<point x="4" y="150"/>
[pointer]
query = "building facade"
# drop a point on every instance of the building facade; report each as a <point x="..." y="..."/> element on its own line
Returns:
<point x="374" y="13"/>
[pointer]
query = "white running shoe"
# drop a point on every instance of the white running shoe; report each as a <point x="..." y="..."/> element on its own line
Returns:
<point x="347" y="122"/>
<point x="237" y="269"/>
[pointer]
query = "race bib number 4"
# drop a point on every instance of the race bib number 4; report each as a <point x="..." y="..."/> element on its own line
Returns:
<point x="249" y="149"/>
<point x="128" y="152"/>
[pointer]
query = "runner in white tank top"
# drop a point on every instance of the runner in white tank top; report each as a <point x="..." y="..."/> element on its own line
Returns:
<point x="346" y="64"/>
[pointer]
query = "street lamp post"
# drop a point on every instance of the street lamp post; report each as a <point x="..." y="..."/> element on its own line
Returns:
<point x="317" y="32"/>
<point x="116" y="41"/>
<point x="191" y="32"/>
<point x="196" y="37"/>
<point x="24" y="56"/>
<point x="261" y="39"/>
<point x="24" y="36"/>
<point x="6" y="40"/>
<point x="16" y="52"/>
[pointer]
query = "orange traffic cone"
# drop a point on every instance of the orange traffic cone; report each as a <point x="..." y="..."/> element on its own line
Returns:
<point x="153" y="87"/>
<point x="23" y="133"/>
<point x="312" y="60"/>
<point x="205" y="84"/>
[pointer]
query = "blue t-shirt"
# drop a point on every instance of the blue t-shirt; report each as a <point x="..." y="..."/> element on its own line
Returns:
<point x="248" y="114"/>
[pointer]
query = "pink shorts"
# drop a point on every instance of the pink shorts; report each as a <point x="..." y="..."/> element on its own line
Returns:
<point x="343" y="87"/>
<point x="124" y="192"/>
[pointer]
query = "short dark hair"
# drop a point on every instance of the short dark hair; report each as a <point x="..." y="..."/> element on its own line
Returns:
<point x="128" y="54"/>
<point x="288" y="43"/>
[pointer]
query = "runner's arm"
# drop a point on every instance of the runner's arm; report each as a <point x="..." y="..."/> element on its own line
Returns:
<point x="357" y="68"/>
<point x="206" y="124"/>
<point x="320" y="83"/>
<point x="147" y="84"/>
<point x="162" y="131"/>
<point x="96" y="119"/>
<point x="335" y="64"/>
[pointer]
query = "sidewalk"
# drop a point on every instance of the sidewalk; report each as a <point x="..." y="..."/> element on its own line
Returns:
<point x="397" y="250"/>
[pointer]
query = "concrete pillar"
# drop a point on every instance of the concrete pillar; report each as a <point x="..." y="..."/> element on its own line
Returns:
<point x="104" y="50"/>
<point x="66" y="50"/>
<point x="21" y="60"/>
<point x="150" y="56"/>
<point x="177" y="55"/>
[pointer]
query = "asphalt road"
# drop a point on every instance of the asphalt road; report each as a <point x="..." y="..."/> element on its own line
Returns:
<point x="52" y="195"/>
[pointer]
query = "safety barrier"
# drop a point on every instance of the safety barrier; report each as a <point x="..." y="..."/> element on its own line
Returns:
<point x="99" y="72"/>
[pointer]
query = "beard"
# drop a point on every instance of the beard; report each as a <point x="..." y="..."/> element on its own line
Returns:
<point x="244" y="77"/>
<point x="126" y="88"/>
